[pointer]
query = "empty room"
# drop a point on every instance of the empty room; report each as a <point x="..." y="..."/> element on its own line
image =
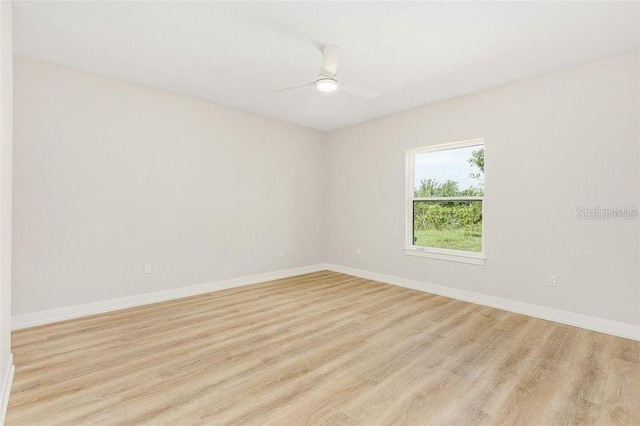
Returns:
<point x="320" y="213"/>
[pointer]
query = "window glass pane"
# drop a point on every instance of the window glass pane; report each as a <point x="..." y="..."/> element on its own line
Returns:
<point x="453" y="225"/>
<point x="450" y="173"/>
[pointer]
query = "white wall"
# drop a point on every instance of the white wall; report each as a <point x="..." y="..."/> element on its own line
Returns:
<point x="554" y="143"/>
<point x="109" y="175"/>
<point x="6" y="143"/>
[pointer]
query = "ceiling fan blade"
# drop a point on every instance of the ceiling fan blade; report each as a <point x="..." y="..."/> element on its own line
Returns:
<point x="299" y="86"/>
<point x="359" y="91"/>
<point x="330" y="55"/>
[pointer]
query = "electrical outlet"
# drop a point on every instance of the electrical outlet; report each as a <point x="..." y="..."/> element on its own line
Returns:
<point x="551" y="281"/>
<point x="358" y="252"/>
<point x="147" y="268"/>
<point x="281" y="253"/>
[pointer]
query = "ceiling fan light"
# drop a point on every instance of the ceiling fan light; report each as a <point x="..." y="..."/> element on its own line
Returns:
<point x="327" y="85"/>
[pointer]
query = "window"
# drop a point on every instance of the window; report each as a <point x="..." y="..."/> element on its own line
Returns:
<point x="445" y="196"/>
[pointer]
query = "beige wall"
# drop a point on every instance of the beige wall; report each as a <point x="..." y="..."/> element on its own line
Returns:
<point x="111" y="175"/>
<point x="554" y="143"/>
<point x="6" y="143"/>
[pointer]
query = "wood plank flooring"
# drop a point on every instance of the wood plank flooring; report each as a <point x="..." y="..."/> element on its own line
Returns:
<point x="322" y="348"/>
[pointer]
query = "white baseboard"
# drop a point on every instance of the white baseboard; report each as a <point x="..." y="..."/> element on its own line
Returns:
<point x="7" y="381"/>
<point x="615" y="328"/>
<point x="76" y="311"/>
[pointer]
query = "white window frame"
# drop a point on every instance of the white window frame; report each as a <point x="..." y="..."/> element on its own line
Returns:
<point x="462" y="256"/>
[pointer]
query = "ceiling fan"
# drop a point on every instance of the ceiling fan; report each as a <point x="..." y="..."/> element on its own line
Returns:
<point x="327" y="81"/>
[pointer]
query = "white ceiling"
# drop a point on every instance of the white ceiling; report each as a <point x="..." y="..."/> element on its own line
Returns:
<point x="237" y="53"/>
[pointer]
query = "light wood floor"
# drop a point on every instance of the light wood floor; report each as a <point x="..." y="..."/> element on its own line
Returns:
<point x="322" y="348"/>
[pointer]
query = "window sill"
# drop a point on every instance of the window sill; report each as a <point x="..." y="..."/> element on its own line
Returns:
<point x="470" y="258"/>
